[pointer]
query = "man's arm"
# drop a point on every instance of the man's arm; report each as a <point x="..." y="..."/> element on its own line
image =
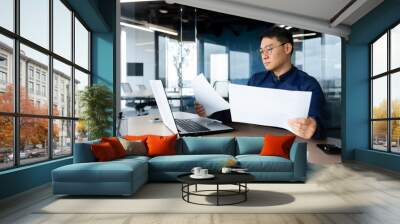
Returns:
<point x="312" y="126"/>
<point x="317" y="110"/>
<point x="224" y="116"/>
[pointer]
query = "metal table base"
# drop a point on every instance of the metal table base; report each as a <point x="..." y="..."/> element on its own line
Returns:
<point x="241" y="191"/>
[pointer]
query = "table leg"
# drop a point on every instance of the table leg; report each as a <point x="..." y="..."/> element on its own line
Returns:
<point x="182" y="188"/>
<point x="217" y="194"/>
<point x="245" y="191"/>
<point x="188" y="190"/>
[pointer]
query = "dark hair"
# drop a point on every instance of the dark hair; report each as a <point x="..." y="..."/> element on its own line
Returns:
<point x="281" y="34"/>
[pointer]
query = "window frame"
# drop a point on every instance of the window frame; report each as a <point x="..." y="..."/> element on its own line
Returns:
<point x="18" y="40"/>
<point x="388" y="74"/>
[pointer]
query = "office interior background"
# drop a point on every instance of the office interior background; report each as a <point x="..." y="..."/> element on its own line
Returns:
<point x="156" y="36"/>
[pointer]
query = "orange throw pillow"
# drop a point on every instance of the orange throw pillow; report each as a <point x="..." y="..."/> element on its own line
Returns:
<point x="103" y="152"/>
<point x="161" y="145"/>
<point x="277" y="145"/>
<point x="136" y="137"/>
<point x="116" y="145"/>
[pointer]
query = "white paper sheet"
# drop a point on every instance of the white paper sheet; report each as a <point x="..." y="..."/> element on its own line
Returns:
<point x="207" y="96"/>
<point x="266" y="106"/>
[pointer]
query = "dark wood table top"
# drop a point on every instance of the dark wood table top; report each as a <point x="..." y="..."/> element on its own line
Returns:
<point x="220" y="178"/>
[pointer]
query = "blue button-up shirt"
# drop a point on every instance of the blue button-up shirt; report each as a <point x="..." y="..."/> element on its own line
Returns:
<point x="294" y="79"/>
<point x="298" y="80"/>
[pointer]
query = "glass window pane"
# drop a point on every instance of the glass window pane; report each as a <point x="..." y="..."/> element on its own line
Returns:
<point x="62" y="141"/>
<point x="81" y="131"/>
<point x="35" y="21"/>
<point x="379" y="55"/>
<point x="34" y="72"/>
<point x="62" y="29"/>
<point x="62" y="89"/>
<point x="81" y="45"/>
<point x="395" y="136"/>
<point x="81" y="81"/>
<point x="395" y="94"/>
<point x="6" y="142"/>
<point x="379" y="135"/>
<point x="6" y="74"/>
<point x="33" y="140"/>
<point x="379" y="97"/>
<point x="395" y="47"/>
<point x="7" y="14"/>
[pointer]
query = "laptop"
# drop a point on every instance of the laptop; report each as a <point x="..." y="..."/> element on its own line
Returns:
<point x="184" y="127"/>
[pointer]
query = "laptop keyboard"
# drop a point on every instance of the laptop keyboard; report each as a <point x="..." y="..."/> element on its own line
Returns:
<point x="190" y="126"/>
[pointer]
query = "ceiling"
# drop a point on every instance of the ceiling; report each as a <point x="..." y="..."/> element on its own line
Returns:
<point x="321" y="9"/>
<point x="208" y="22"/>
<point x="168" y="15"/>
<point x="325" y="16"/>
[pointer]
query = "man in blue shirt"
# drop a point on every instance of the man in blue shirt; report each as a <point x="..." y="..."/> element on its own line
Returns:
<point x="276" y="49"/>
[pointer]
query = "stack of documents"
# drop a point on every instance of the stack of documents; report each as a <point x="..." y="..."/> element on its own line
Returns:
<point x="254" y="105"/>
<point x="266" y="106"/>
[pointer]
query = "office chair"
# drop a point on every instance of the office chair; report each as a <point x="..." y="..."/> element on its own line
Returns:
<point x="128" y="91"/>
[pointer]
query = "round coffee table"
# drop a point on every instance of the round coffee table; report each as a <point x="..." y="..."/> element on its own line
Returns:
<point x="238" y="179"/>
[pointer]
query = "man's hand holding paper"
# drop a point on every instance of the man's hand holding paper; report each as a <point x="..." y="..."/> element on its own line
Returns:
<point x="272" y="107"/>
<point x="205" y="95"/>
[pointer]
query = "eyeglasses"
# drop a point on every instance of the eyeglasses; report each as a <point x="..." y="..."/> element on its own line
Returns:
<point x="269" y="49"/>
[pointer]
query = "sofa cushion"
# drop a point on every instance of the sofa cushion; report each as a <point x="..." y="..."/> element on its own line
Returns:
<point x="112" y="171"/>
<point x="161" y="145"/>
<point x="249" y="145"/>
<point x="116" y="145"/>
<point x="132" y="158"/>
<point x="257" y="163"/>
<point x="136" y="137"/>
<point x="103" y="152"/>
<point x="208" y="145"/>
<point x="185" y="163"/>
<point x="136" y="147"/>
<point x="83" y="152"/>
<point x="277" y="145"/>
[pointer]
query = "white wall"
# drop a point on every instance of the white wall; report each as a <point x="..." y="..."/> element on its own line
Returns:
<point x="140" y="49"/>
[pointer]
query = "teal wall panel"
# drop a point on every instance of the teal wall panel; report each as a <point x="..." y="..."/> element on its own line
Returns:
<point x="103" y="53"/>
<point x="102" y="58"/>
<point x="356" y="138"/>
<point x="379" y="159"/>
<point x="24" y="178"/>
<point x="89" y="11"/>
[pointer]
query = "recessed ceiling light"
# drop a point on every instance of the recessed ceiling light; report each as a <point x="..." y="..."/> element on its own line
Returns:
<point x="304" y="35"/>
<point x="163" y="11"/>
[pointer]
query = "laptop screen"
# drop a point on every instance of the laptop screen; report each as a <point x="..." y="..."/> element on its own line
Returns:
<point x="163" y="105"/>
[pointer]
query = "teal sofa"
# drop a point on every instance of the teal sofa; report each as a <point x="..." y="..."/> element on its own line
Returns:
<point x="125" y="176"/>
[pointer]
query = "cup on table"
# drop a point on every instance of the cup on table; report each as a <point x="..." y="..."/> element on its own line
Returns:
<point x="203" y="172"/>
<point x="196" y="171"/>
<point x="226" y="170"/>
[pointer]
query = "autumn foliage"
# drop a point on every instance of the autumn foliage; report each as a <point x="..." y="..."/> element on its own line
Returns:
<point x="380" y="127"/>
<point x="33" y="131"/>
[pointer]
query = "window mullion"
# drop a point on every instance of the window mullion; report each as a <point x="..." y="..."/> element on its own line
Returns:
<point x="50" y="81"/>
<point x="73" y="82"/>
<point x="16" y="84"/>
<point x="389" y="106"/>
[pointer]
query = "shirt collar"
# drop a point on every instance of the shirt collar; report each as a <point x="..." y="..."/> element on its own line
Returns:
<point x="283" y="76"/>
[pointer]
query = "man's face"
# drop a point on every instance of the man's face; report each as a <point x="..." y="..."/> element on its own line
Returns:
<point x="274" y="53"/>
